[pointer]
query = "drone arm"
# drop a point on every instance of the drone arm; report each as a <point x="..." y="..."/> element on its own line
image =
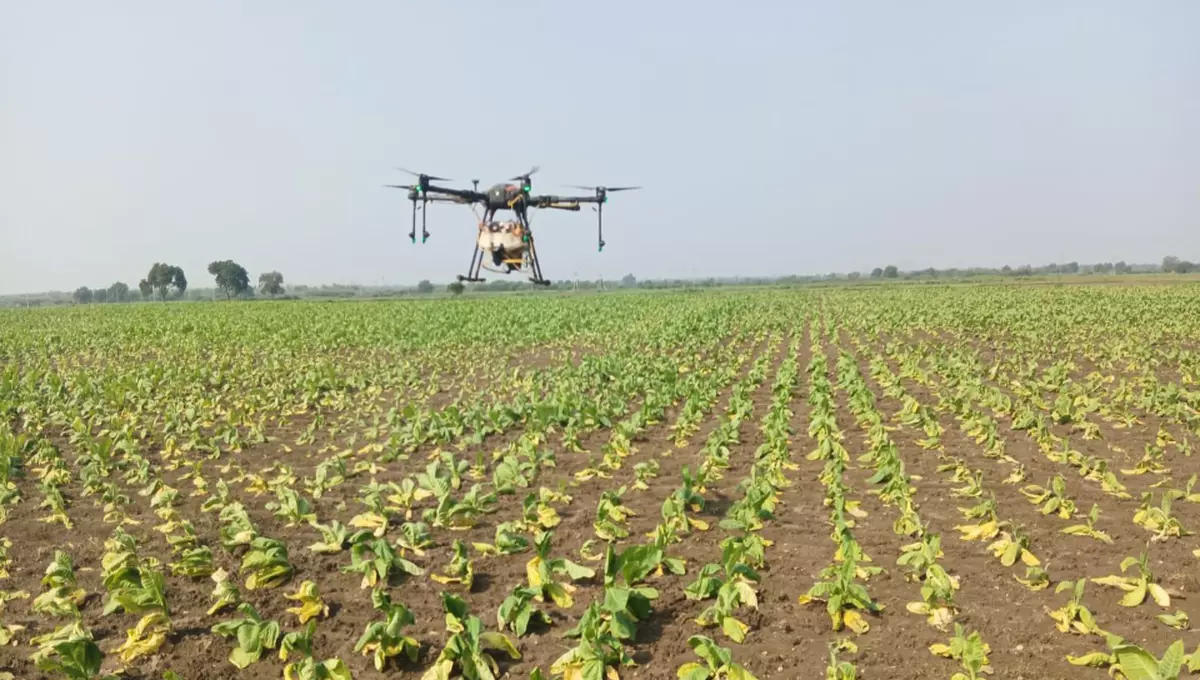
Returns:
<point x="456" y="195"/>
<point x="573" y="203"/>
<point x="548" y="201"/>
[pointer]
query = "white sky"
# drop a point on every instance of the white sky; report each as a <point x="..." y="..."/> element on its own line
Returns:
<point x="772" y="137"/>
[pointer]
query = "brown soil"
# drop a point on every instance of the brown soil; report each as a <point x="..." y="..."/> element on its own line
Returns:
<point x="787" y="639"/>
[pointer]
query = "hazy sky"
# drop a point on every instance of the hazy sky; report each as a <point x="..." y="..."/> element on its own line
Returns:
<point x="772" y="138"/>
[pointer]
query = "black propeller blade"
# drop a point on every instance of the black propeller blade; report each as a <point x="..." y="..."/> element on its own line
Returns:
<point x="526" y="175"/>
<point x="428" y="177"/>
<point x="601" y="188"/>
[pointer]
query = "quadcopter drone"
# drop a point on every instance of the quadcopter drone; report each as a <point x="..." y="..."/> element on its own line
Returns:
<point x="508" y="244"/>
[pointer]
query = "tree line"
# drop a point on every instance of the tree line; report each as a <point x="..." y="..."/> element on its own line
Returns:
<point x="167" y="281"/>
<point x="1170" y="264"/>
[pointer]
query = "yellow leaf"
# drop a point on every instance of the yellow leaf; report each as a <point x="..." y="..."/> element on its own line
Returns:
<point x="1134" y="597"/>
<point x="940" y="618"/>
<point x="855" y="621"/>
<point x="145" y="638"/>
<point x="1160" y="595"/>
<point x="917" y="608"/>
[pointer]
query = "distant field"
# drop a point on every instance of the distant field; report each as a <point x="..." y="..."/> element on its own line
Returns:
<point x="914" y="457"/>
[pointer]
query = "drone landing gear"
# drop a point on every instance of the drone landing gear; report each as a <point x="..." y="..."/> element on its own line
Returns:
<point x="534" y="266"/>
<point x="473" y="270"/>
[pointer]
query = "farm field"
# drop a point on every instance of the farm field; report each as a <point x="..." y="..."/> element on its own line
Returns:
<point x="871" y="482"/>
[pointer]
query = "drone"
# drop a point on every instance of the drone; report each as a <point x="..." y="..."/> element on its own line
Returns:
<point x="508" y="244"/>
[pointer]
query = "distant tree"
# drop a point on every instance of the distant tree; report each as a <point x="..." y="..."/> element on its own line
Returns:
<point x="424" y="286"/>
<point x="890" y="272"/>
<point x="163" y="276"/>
<point x="854" y="276"/>
<point x="270" y="283"/>
<point x="1172" y="264"/>
<point x="118" y="292"/>
<point x="178" y="281"/>
<point x="1006" y="270"/>
<point x="100" y="295"/>
<point x="146" y="289"/>
<point x="628" y="281"/>
<point x="1122" y="268"/>
<point x="1024" y="270"/>
<point x="877" y="273"/>
<point x="456" y="288"/>
<point x="230" y="276"/>
<point x="82" y="295"/>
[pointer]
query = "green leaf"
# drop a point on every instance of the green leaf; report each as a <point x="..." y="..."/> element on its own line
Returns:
<point x="1172" y="661"/>
<point x="499" y="642"/>
<point x="1094" y="659"/>
<point x="736" y="630"/>
<point x="1136" y="663"/>
<point x="242" y="658"/>
<point x="692" y="671"/>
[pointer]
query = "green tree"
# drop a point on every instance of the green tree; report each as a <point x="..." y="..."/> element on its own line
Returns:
<point x="628" y="281"/>
<point x="146" y="289"/>
<point x="163" y="276"/>
<point x="270" y="283"/>
<point x="100" y="295"/>
<point x="82" y="295"/>
<point x="231" y="277"/>
<point x="118" y="292"/>
<point x="456" y="288"/>
<point x="890" y="272"/>
<point x="424" y="286"/>
<point x="877" y="273"/>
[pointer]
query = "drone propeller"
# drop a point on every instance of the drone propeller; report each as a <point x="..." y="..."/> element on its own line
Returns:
<point x="526" y="175"/>
<point x="601" y="189"/>
<point x="434" y="178"/>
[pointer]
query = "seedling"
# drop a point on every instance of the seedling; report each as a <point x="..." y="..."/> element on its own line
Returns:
<point x="1089" y="528"/>
<point x="1052" y="498"/>
<point x="384" y="639"/>
<point x="469" y="651"/>
<point x="969" y="650"/>
<point x="718" y="663"/>
<point x="1074" y="616"/>
<point x="311" y="605"/>
<point x="1138" y="587"/>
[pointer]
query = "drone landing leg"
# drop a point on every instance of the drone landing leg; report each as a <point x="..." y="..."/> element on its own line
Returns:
<point x="473" y="269"/>
<point x="535" y="265"/>
<point x="424" y="231"/>
<point x="412" y="233"/>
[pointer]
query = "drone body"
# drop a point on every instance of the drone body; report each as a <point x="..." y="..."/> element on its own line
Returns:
<point x="509" y="243"/>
